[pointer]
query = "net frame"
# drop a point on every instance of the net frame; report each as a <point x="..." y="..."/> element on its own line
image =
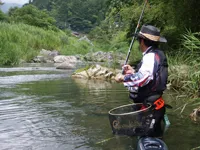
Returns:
<point x="133" y="112"/>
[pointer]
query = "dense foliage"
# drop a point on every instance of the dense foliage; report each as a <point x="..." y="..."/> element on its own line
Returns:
<point x="31" y="15"/>
<point x="78" y="15"/>
<point x="111" y="16"/>
<point x="168" y="15"/>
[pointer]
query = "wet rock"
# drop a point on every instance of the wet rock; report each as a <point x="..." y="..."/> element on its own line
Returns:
<point x="45" y="56"/>
<point x="97" y="72"/>
<point x="65" y="62"/>
<point x="63" y="58"/>
<point x="39" y="59"/>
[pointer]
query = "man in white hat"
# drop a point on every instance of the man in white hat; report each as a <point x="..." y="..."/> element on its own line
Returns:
<point x="147" y="83"/>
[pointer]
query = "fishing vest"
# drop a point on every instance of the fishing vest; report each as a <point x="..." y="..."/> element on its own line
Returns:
<point x="160" y="76"/>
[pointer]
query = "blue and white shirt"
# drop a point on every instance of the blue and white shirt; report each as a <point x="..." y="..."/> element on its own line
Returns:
<point x="144" y="74"/>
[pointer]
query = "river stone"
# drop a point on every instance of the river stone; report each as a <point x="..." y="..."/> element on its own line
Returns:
<point x="39" y="59"/>
<point x="49" y="55"/>
<point x="97" y="72"/>
<point x="63" y="58"/>
<point x="93" y="70"/>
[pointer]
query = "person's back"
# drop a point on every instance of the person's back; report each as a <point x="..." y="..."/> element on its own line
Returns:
<point x="160" y="76"/>
<point x="147" y="84"/>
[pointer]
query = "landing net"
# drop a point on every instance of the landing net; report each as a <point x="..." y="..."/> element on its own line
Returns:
<point x="133" y="119"/>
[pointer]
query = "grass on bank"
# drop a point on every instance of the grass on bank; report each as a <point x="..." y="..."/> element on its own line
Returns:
<point x="23" y="42"/>
<point x="184" y="66"/>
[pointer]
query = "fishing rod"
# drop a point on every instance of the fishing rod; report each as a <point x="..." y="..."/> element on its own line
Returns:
<point x="136" y="30"/>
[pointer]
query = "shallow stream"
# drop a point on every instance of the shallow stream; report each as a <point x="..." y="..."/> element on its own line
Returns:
<point x="42" y="108"/>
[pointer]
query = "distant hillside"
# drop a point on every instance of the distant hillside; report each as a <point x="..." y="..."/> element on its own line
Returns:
<point x="6" y="6"/>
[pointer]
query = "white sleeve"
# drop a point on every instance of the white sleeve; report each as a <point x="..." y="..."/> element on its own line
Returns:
<point x="145" y="73"/>
<point x="148" y="66"/>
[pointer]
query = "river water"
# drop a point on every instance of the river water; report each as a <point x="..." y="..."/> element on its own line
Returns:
<point x="42" y="108"/>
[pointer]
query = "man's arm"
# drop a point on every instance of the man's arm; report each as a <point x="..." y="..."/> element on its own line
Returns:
<point x="144" y="75"/>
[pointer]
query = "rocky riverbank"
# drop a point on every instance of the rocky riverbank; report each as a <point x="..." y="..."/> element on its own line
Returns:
<point x="69" y="62"/>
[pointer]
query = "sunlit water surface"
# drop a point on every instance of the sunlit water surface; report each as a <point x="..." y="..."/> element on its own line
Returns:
<point x="43" y="108"/>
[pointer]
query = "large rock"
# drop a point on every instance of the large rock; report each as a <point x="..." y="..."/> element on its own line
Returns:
<point x="65" y="62"/>
<point x="63" y="58"/>
<point x="45" y="56"/>
<point x="97" y="72"/>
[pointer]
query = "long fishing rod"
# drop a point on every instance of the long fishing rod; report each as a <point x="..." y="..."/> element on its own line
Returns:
<point x="136" y="30"/>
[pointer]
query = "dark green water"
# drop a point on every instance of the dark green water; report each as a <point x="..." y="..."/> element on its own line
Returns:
<point x="42" y="108"/>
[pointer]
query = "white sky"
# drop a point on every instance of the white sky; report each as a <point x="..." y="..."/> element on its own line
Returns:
<point x="15" y="1"/>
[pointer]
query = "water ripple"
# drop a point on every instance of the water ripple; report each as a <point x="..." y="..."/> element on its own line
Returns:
<point x="12" y="80"/>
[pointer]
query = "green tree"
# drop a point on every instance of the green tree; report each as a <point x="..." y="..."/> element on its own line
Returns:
<point x="40" y="4"/>
<point x="3" y="17"/>
<point x="31" y="15"/>
<point x="171" y="16"/>
<point x="79" y="15"/>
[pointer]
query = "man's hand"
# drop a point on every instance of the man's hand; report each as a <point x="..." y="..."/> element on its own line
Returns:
<point x="119" y="77"/>
<point x="128" y="69"/>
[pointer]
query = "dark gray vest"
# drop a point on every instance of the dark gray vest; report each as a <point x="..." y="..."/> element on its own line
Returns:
<point x="158" y="84"/>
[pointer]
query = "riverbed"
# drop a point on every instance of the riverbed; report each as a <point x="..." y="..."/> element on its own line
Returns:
<point x="43" y="108"/>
